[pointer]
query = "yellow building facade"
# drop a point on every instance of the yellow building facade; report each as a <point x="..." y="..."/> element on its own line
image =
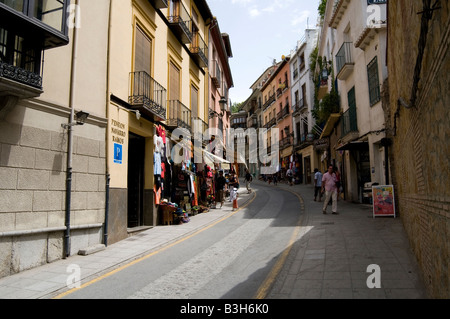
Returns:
<point x="157" y="77"/>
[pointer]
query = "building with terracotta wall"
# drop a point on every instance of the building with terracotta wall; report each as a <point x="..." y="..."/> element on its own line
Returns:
<point x="220" y="82"/>
<point x="283" y="113"/>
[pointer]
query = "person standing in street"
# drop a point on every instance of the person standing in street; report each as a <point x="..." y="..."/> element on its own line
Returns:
<point x="330" y="189"/>
<point x="220" y="185"/>
<point x="290" y="176"/>
<point x="233" y="185"/>
<point x="318" y="184"/>
<point x="248" y="180"/>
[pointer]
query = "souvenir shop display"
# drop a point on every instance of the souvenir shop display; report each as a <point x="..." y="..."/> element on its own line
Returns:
<point x="184" y="189"/>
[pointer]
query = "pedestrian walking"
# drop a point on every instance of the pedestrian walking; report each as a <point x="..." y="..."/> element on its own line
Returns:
<point x="248" y="180"/>
<point x="233" y="184"/>
<point x="290" y="176"/>
<point x="234" y="197"/>
<point x="220" y="185"/>
<point x="318" y="184"/>
<point x="329" y="188"/>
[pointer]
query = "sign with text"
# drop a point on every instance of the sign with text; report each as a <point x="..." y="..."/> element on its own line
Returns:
<point x="383" y="200"/>
<point x="118" y="154"/>
<point x="370" y="2"/>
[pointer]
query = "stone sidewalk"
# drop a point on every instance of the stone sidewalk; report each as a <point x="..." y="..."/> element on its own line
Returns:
<point x="332" y="257"/>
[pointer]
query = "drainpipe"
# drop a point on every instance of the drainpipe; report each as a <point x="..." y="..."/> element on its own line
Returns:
<point x="108" y="101"/>
<point x="70" y="139"/>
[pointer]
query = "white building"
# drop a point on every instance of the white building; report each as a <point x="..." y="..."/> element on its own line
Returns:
<point x="302" y="95"/>
<point x="359" y="60"/>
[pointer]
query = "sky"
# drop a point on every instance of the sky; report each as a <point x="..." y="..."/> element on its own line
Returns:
<point x="260" y="31"/>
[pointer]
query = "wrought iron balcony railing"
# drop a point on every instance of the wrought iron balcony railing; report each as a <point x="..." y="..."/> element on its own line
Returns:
<point x="199" y="50"/>
<point x="147" y="95"/>
<point x="216" y="74"/>
<point x="178" y="115"/>
<point x="180" y="21"/>
<point x="285" y="142"/>
<point x="299" y="106"/>
<point x="18" y="74"/>
<point x="344" y="60"/>
<point x="269" y="102"/>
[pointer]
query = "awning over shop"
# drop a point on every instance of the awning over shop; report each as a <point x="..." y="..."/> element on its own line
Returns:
<point x="211" y="158"/>
<point x="332" y="120"/>
<point x="354" y="146"/>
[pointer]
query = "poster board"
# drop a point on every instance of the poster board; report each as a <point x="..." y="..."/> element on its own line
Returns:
<point x="383" y="200"/>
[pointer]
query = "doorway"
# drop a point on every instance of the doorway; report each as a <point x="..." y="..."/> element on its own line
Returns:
<point x="136" y="156"/>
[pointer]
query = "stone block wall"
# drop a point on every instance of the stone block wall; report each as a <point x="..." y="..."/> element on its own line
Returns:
<point x="33" y="161"/>
<point x="420" y="135"/>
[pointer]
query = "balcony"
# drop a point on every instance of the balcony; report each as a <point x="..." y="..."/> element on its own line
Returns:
<point x="44" y="22"/>
<point x="349" y="124"/>
<point x="284" y="112"/>
<point x="252" y="121"/>
<point x="271" y="123"/>
<point x="159" y="4"/>
<point x="147" y="96"/>
<point x="27" y="28"/>
<point x="322" y="85"/>
<point x="202" y="126"/>
<point x="299" y="107"/>
<point x="180" y="21"/>
<point x="269" y="102"/>
<point x="178" y="115"/>
<point x="344" y="61"/>
<point x="216" y="74"/>
<point x="199" y="51"/>
<point x="303" y="142"/>
<point x="285" y="142"/>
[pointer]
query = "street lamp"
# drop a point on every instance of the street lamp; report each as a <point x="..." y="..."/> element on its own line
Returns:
<point x="80" y="119"/>
<point x="223" y="103"/>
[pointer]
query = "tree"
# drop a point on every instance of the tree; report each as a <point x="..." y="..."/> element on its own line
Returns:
<point x="322" y="8"/>
<point x="236" y="107"/>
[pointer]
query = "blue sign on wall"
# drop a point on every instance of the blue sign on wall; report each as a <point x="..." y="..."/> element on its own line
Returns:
<point x="118" y="154"/>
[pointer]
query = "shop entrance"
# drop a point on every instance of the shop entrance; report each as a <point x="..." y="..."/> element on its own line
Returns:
<point x="136" y="156"/>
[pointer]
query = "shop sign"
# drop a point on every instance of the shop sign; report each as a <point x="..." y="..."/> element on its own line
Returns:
<point x="383" y="201"/>
<point x="118" y="136"/>
<point x="370" y="2"/>
<point x="118" y="132"/>
<point x="322" y="144"/>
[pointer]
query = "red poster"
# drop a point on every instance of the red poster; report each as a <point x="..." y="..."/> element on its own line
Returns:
<point x="383" y="201"/>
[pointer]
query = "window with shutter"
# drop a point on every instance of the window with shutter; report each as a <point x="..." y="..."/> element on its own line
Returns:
<point x="174" y="91"/>
<point x="194" y="101"/>
<point x="142" y="52"/>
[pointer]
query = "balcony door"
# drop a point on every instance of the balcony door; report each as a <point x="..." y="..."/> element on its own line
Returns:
<point x="174" y="92"/>
<point x="194" y="101"/>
